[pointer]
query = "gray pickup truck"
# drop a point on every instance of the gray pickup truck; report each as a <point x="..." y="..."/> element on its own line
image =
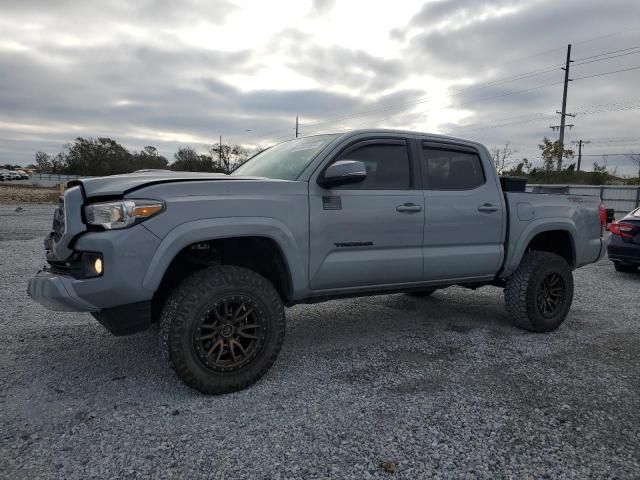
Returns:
<point x="214" y="258"/>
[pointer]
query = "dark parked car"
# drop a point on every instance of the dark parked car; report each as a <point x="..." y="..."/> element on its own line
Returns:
<point x="624" y="243"/>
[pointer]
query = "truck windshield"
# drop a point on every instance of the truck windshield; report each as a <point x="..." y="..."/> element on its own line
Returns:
<point x="287" y="160"/>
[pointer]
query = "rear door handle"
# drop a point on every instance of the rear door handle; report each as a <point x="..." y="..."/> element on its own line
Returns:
<point x="488" y="207"/>
<point x="409" y="208"/>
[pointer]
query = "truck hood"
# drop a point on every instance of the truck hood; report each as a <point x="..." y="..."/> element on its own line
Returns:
<point x="118" y="185"/>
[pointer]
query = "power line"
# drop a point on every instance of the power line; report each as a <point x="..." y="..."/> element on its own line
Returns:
<point x="528" y="118"/>
<point x="608" y="154"/>
<point x="607" y="58"/>
<point x="489" y="98"/>
<point x="521" y="76"/>
<point x="625" y="141"/>
<point x="502" y="95"/>
<point x="539" y="71"/>
<point x="532" y="73"/>
<point x="607" y="73"/>
<point x="628" y="107"/>
<point x="460" y="105"/>
<point x="607" y="53"/>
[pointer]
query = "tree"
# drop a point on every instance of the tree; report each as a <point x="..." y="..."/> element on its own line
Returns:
<point x="43" y="162"/>
<point x="150" y="150"/>
<point x="148" y="158"/>
<point x="635" y="158"/>
<point x="599" y="174"/>
<point x="58" y="164"/>
<point x="550" y="151"/>
<point x="502" y="156"/>
<point x="105" y="156"/>
<point x="187" y="160"/>
<point x="601" y="168"/>
<point x="102" y="156"/>
<point x="522" y="168"/>
<point x="229" y="157"/>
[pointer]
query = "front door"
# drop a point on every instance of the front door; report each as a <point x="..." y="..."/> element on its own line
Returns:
<point x="368" y="233"/>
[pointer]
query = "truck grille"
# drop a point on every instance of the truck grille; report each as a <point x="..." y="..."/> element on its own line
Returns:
<point x="58" y="221"/>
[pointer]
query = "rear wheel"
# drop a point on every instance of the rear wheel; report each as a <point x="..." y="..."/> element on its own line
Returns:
<point x="222" y="329"/>
<point x="539" y="293"/>
<point x="625" y="267"/>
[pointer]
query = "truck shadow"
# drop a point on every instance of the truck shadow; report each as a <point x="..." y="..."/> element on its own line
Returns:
<point x="396" y="315"/>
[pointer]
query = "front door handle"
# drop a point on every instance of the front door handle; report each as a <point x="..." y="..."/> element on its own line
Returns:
<point x="488" y="207"/>
<point x="409" y="208"/>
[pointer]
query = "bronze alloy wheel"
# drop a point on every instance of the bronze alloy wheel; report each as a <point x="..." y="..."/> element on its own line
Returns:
<point x="230" y="333"/>
<point x="551" y="295"/>
<point x="222" y="328"/>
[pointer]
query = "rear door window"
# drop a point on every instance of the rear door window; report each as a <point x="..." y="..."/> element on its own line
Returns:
<point x="451" y="169"/>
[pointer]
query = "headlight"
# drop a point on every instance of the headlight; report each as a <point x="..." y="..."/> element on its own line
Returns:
<point x="122" y="214"/>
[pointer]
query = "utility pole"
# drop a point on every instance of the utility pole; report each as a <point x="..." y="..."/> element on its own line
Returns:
<point x="580" y="143"/>
<point x="220" y="153"/>
<point x="296" y="126"/>
<point x="563" y="114"/>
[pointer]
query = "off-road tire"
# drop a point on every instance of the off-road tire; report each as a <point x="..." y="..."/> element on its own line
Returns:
<point x="625" y="267"/>
<point x="422" y="293"/>
<point x="523" y="287"/>
<point x="185" y="306"/>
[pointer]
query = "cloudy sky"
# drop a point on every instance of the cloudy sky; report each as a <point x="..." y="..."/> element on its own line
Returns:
<point x="174" y="73"/>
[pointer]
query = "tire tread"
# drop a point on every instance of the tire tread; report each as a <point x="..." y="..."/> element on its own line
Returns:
<point x="181" y="302"/>
<point x="518" y="284"/>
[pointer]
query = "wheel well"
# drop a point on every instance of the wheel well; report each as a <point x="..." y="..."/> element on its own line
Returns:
<point x="554" y="241"/>
<point x="260" y="254"/>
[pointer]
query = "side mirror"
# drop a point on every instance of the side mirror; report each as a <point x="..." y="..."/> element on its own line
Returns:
<point x="343" y="172"/>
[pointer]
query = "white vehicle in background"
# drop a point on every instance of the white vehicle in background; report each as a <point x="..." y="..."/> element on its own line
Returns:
<point x="12" y="175"/>
<point x="23" y="175"/>
<point x="5" y="175"/>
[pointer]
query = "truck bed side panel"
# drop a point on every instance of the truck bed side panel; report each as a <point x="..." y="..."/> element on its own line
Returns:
<point x="531" y="214"/>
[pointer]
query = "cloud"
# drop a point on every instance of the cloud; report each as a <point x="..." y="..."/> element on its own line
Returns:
<point x="457" y="10"/>
<point x="173" y="73"/>
<point x="323" y="6"/>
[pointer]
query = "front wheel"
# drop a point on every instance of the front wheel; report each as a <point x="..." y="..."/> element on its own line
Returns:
<point x="222" y="329"/>
<point x="539" y="293"/>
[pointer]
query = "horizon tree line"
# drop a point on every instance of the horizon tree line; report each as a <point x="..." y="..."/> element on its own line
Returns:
<point x="104" y="156"/>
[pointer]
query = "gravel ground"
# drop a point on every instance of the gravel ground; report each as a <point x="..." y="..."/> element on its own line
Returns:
<point x="379" y="387"/>
<point x="21" y="192"/>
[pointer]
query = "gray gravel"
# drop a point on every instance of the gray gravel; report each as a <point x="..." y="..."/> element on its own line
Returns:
<point x="441" y="387"/>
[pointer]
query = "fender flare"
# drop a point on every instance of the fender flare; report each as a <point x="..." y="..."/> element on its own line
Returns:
<point x="226" y="227"/>
<point x="536" y="227"/>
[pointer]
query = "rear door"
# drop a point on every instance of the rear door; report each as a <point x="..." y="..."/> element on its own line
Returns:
<point x="464" y="213"/>
<point x="368" y="233"/>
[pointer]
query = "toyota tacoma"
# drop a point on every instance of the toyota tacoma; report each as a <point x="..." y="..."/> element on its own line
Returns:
<point x="214" y="259"/>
